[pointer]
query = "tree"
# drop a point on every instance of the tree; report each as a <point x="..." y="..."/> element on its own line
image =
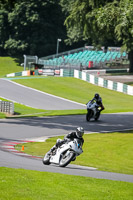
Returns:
<point x="6" y="7"/>
<point x="102" y="22"/>
<point x="33" y="26"/>
<point x="4" y="31"/>
<point x="120" y="23"/>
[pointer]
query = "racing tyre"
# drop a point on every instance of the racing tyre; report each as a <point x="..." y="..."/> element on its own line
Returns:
<point x="46" y="160"/>
<point x="97" y="116"/>
<point x="88" y="115"/>
<point x="66" y="158"/>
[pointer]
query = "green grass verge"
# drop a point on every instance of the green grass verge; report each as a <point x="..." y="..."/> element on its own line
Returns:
<point x="108" y="152"/>
<point x="2" y="115"/>
<point x="81" y="91"/>
<point x="9" y="65"/>
<point x="70" y="88"/>
<point x="25" y="111"/>
<point x="26" y="185"/>
<point x="76" y="90"/>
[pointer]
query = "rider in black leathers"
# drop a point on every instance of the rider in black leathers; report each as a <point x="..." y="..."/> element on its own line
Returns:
<point x="70" y="136"/>
<point x="98" y="100"/>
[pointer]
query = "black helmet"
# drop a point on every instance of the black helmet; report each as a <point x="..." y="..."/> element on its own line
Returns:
<point x="79" y="132"/>
<point x="96" y="96"/>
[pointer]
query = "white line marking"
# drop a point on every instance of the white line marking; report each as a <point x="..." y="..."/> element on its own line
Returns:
<point x="45" y="93"/>
<point x="17" y="102"/>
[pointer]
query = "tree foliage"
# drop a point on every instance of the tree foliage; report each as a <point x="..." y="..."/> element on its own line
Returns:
<point x="33" y="26"/>
<point x="104" y="22"/>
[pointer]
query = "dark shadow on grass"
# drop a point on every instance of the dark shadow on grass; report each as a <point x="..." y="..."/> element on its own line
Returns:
<point x="18" y="60"/>
<point x="16" y="114"/>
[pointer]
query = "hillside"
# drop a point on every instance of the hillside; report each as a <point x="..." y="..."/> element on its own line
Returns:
<point x="9" y="65"/>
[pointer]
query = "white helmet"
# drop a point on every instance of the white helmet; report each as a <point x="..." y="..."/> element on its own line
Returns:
<point x="58" y="140"/>
<point x="79" y="132"/>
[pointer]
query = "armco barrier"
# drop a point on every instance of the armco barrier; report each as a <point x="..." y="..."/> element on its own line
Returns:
<point x="23" y="73"/>
<point x="67" y="73"/>
<point x="117" y="86"/>
<point x="7" y="107"/>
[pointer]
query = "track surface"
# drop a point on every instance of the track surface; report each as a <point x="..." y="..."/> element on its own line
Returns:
<point x="34" y="98"/>
<point x="16" y="130"/>
<point x="121" y="79"/>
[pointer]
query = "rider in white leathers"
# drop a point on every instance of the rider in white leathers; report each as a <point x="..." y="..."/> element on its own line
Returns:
<point x="70" y="136"/>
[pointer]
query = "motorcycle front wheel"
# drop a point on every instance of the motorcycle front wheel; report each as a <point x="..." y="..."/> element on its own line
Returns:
<point x="66" y="158"/>
<point x="97" y="116"/>
<point x="88" y="115"/>
<point x="45" y="160"/>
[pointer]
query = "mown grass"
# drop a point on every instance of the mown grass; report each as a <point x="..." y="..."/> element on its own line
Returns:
<point x="108" y="152"/>
<point x="2" y="115"/>
<point x="76" y="90"/>
<point x="25" y="111"/>
<point x="81" y="91"/>
<point x="9" y="65"/>
<point x="26" y="185"/>
<point x="69" y="88"/>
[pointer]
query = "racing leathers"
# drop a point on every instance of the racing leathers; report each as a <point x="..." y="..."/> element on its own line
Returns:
<point x="99" y="103"/>
<point x="69" y="137"/>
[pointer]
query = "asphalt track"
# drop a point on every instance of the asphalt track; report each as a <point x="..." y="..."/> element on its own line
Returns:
<point x="34" y="98"/>
<point x="22" y="129"/>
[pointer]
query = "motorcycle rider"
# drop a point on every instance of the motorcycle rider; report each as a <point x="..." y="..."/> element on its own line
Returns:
<point x="98" y="100"/>
<point x="70" y="136"/>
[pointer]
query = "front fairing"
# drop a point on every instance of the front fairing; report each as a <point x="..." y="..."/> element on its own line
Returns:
<point x="56" y="158"/>
<point x="72" y="146"/>
<point x="92" y="106"/>
<point x="76" y="146"/>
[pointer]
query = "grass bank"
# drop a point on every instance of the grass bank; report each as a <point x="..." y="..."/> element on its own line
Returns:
<point x="69" y="88"/>
<point x="2" y="115"/>
<point x="108" y="152"/>
<point x="9" y="65"/>
<point x="25" y="111"/>
<point x="25" y="185"/>
<point x="81" y="91"/>
<point x="76" y="90"/>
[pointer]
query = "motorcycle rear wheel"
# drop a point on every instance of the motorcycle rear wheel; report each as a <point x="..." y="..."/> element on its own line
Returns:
<point x="66" y="158"/>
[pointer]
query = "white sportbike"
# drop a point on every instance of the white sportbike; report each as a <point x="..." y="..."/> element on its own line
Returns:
<point x="92" y="111"/>
<point x="64" y="154"/>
